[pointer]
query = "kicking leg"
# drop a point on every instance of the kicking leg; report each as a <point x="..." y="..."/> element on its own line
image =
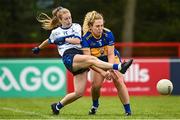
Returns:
<point x="85" y="61"/>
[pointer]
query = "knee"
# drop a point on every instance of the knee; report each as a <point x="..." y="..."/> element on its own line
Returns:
<point x="118" y="82"/>
<point x="96" y="86"/>
<point x="92" y="59"/>
<point x="79" y="94"/>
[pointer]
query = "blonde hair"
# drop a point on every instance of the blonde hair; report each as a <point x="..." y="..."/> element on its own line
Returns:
<point x="49" y="23"/>
<point x="89" y="20"/>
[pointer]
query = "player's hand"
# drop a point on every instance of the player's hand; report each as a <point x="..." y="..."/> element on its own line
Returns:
<point x="36" y="50"/>
<point x="114" y="75"/>
<point x="108" y="76"/>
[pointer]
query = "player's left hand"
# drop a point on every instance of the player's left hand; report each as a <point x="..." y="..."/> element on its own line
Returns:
<point x="108" y="76"/>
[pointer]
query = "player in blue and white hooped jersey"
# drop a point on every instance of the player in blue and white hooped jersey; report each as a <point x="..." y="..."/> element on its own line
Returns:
<point x="74" y="31"/>
<point x="67" y="36"/>
<point x="99" y="41"/>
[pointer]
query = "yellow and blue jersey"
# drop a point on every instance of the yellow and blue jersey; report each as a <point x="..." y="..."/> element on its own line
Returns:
<point x="99" y="46"/>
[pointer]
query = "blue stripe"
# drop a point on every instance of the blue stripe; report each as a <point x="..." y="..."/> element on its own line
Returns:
<point x="77" y="37"/>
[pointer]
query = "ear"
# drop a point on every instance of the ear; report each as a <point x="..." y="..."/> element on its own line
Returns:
<point x="90" y="28"/>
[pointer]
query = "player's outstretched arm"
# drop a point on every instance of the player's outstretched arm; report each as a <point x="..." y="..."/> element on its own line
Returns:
<point x="37" y="49"/>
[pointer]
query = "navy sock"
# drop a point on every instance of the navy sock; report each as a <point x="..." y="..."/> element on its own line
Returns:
<point x="127" y="108"/>
<point x="115" y="66"/>
<point x="59" y="106"/>
<point x="96" y="103"/>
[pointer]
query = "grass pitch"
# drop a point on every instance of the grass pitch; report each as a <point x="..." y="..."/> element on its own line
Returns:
<point x="146" y="107"/>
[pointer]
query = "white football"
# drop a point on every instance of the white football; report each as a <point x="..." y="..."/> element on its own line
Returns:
<point x="164" y="87"/>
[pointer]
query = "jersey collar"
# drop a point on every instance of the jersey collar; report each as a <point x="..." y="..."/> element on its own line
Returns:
<point x="95" y="36"/>
<point x="65" y="28"/>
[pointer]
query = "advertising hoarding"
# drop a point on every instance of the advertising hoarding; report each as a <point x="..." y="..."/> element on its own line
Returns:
<point x="141" y="78"/>
<point x="32" y="78"/>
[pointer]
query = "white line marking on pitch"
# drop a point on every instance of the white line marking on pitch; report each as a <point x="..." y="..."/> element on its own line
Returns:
<point x="25" y="112"/>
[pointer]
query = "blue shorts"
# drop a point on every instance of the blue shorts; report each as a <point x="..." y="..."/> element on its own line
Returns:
<point x="68" y="57"/>
<point x="116" y="53"/>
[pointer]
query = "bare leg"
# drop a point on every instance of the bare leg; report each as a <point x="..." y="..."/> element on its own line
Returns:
<point x="121" y="87"/>
<point x="97" y="81"/>
<point x="118" y="81"/>
<point x="85" y="61"/>
<point x="79" y="88"/>
<point x="123" y="94"/>
<point x="119" y="84"/>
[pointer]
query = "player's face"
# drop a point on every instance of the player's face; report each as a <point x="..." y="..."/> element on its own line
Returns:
<point x="66" y="20"/>
<point x="97" y="27"/>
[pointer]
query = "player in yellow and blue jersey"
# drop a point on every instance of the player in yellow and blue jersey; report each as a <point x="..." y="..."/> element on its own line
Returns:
<point x="99" y="42"/>
<point x="99" y="46"/>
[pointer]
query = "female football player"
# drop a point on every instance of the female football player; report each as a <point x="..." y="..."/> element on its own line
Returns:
<point x="99" y="42"/>
<point x="67" y="35"/>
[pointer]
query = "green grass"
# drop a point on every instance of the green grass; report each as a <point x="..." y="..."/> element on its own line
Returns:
<point x="146" y="107"/>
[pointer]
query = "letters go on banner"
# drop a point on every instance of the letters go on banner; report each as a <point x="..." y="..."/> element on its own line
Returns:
<point x="32" y="78"/>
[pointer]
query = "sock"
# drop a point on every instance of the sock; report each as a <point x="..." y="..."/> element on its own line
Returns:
<point x="115" y="66"/>
<point x="59" y="106"/>
<point x="127" y="108"/>
<point x="96" y="103"/>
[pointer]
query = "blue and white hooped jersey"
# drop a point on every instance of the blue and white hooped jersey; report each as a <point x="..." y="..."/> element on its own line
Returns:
<point x="74" y="32"/>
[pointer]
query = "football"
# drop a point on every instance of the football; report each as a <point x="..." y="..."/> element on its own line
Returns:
<point x="164" y="87"/>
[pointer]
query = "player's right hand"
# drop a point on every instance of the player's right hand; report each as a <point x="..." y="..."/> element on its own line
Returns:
<point x="36" y="50"/>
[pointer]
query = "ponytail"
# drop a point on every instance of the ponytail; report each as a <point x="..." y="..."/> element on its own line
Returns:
<point x="49" y="23"/>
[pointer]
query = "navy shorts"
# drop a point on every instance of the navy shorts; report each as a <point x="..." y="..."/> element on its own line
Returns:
<point x="68" y="57"/>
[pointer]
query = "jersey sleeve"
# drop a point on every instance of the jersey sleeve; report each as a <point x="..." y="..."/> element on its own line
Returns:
<point x="110" y="38"/>
<point x="77" y="31"/>
<point x="51" y="37"/>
